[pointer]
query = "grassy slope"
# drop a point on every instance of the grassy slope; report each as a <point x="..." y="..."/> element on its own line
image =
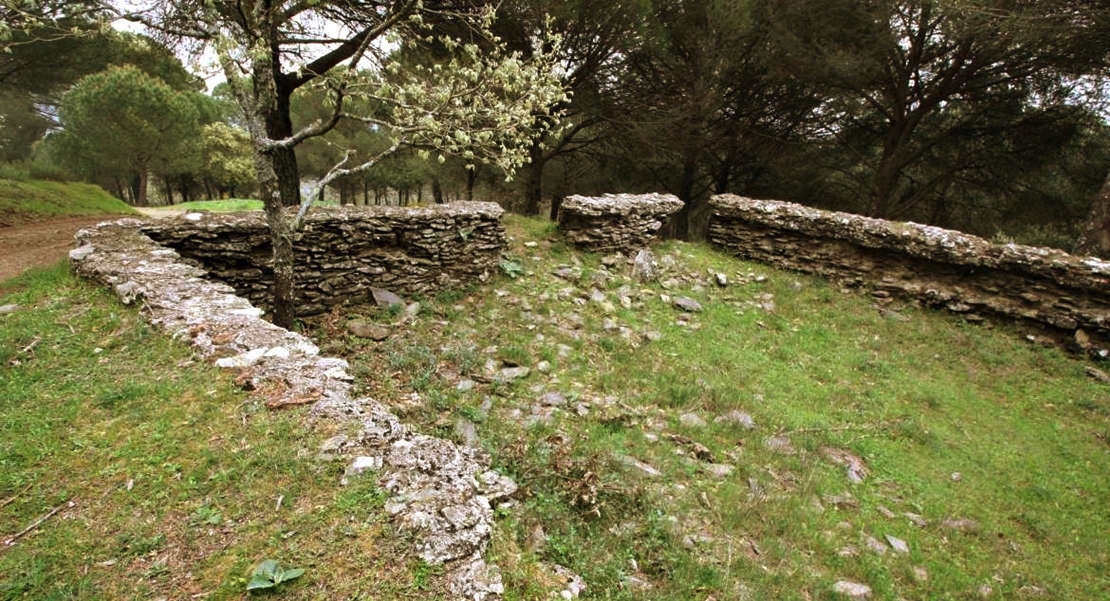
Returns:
<point x="179" y="483"/>
<point x="1004" y="440"/>
<point x="176" y="476"/>
<point x="30" y="201"/>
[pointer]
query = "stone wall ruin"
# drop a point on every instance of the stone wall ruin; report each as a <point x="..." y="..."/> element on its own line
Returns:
<point x="614" y="223"/>
<point x="441" y="493"/>
<point x="343" y="252"/>
<point x="935" y="267"/>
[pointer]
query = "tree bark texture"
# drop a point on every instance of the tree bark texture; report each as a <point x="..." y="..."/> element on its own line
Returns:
<point x="281" y="237"/>
<point x="1095" y="239"/>
<point x="279" y="125"/>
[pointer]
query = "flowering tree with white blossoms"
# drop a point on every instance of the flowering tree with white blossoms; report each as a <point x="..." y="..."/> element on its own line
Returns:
<point x="476" y="99"/>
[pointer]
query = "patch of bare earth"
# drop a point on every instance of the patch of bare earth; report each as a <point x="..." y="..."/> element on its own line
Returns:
<point x="28" y="245"/>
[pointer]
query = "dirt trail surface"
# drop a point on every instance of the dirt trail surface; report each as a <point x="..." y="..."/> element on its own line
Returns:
<point x="29" y="245"/>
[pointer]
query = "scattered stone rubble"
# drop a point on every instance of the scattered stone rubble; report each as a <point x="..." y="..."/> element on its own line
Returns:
<point x="344" y="252"/>
<point x="936" y="267"/>
<point x="615" y="222"/>
<point x="441" y="492"/>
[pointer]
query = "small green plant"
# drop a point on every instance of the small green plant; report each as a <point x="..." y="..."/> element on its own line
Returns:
<point x="269" y="574"/>
<point x="511" y="267"/>
<point x="206" y="515"/>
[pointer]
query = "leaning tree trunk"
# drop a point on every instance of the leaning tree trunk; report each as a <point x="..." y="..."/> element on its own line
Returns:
<point x="1095" y="239"/>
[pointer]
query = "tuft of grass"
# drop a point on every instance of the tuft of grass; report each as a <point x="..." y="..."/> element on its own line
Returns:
<point x="25" y="201"/>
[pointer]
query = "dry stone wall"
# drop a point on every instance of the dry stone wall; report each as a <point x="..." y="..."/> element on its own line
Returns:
<point x="343" y="252"/>
<point x="615" y="222"/>
<point x="937" y="267"/>
<point x="441" y="493"/>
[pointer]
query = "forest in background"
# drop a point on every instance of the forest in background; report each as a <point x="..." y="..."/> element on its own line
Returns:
<point x="987" y="117"/>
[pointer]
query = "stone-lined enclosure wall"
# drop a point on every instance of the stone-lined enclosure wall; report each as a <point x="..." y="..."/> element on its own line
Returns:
<point x="343" y="252"/>
<point x="941" y="268"/>
<point x="615" y="222"/>
<point x="441" y="493"/>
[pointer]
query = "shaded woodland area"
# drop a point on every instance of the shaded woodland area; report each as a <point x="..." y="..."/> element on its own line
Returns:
<point x="988" y="117"/>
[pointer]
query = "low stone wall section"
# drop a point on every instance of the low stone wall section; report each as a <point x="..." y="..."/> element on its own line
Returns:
<point x="937" y="267"/>
<point x="615" y="222"/>
<point x="442" y="493"/>
<point x="342" y="252"/>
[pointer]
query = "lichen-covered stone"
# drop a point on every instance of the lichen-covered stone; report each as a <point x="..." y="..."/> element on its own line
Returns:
<point x="344" y="252"/>
<point x="935" y="266"/>
<point x="615" y="222"/>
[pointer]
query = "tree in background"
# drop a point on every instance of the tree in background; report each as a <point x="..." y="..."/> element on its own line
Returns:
<point x="976" y="115"/>
<point x="595" y="36"/>
<point x="706" y="102"/>
<point x="46" y="47"/>
<point x="123" y="122"/>
<point x="227" y="167"/>
<point x="1095" y="238"/>
<point x="914" y="82"/>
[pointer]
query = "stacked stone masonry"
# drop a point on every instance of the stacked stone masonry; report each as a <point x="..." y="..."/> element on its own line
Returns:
<point x="937" y="267"/>
<point x="615" y="222"/>
<point x="441" y="493"/>
<point x="342" y="252"/>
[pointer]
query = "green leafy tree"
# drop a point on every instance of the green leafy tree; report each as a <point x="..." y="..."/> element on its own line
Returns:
<point x="43" y="57"/>
<point x="125" y="121"/>
<point x="911" y="83"/>
<point x="707" y="102"/>
<point x="227" y="166"/>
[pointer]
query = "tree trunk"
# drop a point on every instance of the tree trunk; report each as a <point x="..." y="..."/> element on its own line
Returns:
<point x="1095" y="240"/>
<point x="437" y="191"/>
<point x="143" y="184"/>
<point x="556" y="204"/>
<point x="680" y="221"/>
<point x="281" y="237"/>
<point x="279" y="125"/>
<point x="471" y="179"/>
<point x="133" y="190"/>
<point x="533" y="190"/>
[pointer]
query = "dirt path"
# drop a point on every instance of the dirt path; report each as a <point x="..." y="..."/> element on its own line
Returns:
<point x="23" y="247"/>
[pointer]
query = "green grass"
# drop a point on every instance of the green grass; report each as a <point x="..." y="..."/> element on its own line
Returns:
<point x="28" y="201"/>
<point x="229" y="205"/>
<point x="1003" y="440"/>
<point x="179" y="483"/>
